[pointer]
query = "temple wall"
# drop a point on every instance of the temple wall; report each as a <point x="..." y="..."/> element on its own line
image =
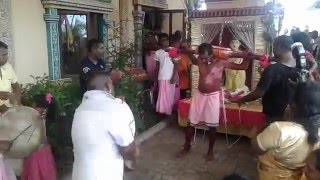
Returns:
<point x="235" y="4"/>
<point x="29" y="39"/>
<point x="176" y="4"/>
<point x="126" y="8"/>
<point x="176" y="17"/>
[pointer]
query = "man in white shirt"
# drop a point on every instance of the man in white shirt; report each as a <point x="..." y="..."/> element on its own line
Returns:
<point x="102" y="133"/>
<point x="10" y="91"/>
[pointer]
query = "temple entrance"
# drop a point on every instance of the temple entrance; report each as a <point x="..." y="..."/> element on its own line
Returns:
<point x="158" y="21"/>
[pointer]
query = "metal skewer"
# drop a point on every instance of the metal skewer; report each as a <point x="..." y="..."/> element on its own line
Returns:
<point x="21" y="133"/>
<point x="31" y="134"/>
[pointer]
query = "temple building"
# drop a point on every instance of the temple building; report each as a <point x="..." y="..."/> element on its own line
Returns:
<point x="50" y="36"/>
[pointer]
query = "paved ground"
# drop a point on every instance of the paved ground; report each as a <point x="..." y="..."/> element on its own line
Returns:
<point x="158" y="160"/>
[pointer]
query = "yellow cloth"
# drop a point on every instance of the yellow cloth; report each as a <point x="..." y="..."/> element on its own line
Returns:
<point x="303" y="177"/>
<point x="8" y="78"/>
<point x="287" y="149"/>
<point x="235" y="79"/>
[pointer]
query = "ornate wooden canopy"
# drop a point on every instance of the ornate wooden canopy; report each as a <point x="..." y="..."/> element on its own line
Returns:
<point x="249" y="11"/>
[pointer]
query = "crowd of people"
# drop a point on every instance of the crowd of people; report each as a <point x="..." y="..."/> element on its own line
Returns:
<point x="103" y="130"/>
<point x="286" y="145"/>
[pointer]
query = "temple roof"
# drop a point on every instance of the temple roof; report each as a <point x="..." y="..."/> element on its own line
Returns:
<point x="248" y="11"/>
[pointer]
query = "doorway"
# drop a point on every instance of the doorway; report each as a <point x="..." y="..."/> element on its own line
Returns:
<point x="75" y="29"/>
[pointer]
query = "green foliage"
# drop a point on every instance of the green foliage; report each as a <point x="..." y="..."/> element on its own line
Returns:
<point x="122" y="52"/>
<point x="66" y="94"/>
<point x="134" y="96"/>
<point x="67" y="97"/>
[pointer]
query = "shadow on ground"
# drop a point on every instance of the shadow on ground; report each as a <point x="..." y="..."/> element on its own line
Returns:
<point x="158" y="161"/>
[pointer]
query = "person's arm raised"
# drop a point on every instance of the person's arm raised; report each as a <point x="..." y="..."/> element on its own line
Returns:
<point x="191" y="56"/>
<point x="243" y="66"/>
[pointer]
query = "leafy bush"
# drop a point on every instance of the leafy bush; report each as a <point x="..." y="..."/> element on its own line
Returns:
<point x="121" y="52"/>
<point x="66" y="93"/>
<point x="134" y="96"/>
<point x="67" y="97"/>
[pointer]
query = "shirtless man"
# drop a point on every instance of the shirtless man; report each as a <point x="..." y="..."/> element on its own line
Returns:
<point x="205" y="103"/>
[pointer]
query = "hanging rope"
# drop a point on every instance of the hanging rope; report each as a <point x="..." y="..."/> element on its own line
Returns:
<point x="226" y="125"/>
<point x="235" y="142"/>
<point x="221" y="33"/>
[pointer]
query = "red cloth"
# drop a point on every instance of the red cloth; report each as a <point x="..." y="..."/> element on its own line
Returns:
<point x="173" y="53"/>
<point x="309" y="55"/>
<point x="249" y="119"/>
<point x="264" y="61"/>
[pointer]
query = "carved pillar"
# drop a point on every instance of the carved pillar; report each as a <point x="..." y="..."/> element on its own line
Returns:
<point x="138" y="24"/>
<point x="5" y="27"/>
<point x="52" y="22"/>
<point x="106" y="36"/>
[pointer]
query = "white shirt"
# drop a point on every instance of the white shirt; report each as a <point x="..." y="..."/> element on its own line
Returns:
<point x="8" y="78"/>
<point x="101" y="124"/>
<point x="166" y="65"/>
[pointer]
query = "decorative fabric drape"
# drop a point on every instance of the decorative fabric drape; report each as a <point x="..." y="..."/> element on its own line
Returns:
<point x="209" y="32"/>
<point x="244" y="30"/>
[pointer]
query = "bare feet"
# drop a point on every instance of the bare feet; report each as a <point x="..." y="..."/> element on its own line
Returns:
<point x="183" y="152"/>
<point x="209" y="156"/>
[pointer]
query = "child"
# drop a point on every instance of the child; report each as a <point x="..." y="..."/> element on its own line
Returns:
<point x="41" y="164"/>
<point x="6" y="171"/>
<point x="205" y="103"/>
<point x="166" y="77"/>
